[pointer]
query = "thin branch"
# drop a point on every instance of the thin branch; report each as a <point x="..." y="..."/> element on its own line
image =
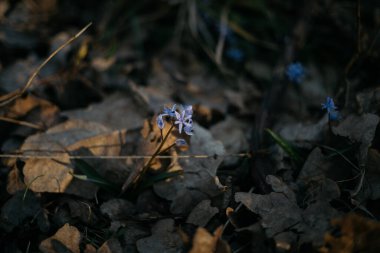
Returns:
<point x="8" y="98"/>
<point x="21" y="123"/>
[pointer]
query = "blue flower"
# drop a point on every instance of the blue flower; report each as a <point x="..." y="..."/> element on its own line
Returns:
<point x="295" y="72"/>
<point x="334" y="115"/>
<point x="183" y="120"/>
<point x="329" y="105"/>
<point x="235" y="54"/>
<point x="169" y="111"/>
<point x="180" y="142"/>
<point x="189" y="128"/>
<point x="188" y="110"/>
<point x="160" y="121"/>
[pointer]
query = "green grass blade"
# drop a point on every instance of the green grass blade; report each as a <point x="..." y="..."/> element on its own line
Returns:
<point x="91" y="175"/>
<point x="285" y="145"/>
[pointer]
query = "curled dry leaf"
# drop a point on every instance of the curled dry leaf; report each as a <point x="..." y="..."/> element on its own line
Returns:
<point x="66" y="238"/>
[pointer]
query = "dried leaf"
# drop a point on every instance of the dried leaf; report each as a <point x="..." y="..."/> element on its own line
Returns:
<point x="202" y="213"/>
<point x="371" y="187"/>
<point x="17" y="209"/>
<point x="116" y="112"/>
<point x="118" y="209"/>
<point x="357" y="234"/>
<point x="14" y="181"/>
<point x="234" y="142"/>
<point x="280" y="212"/>
<point x="164" y="239"/>
<point x="66" y="238"/>
<point x="360" y="129"/>
<point x="111" y="246"/>
<point x="131" y="233"/>
<point x="198" y="180"/>
<point x="368" y="101"/>
<point x="300" y="132"/>
<point x="204" y="242"/>
<point x="55" y="175"/>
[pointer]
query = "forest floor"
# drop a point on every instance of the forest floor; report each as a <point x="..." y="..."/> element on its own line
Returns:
<point x="189" y="126"/>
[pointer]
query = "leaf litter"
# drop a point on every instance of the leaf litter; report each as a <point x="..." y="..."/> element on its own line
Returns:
<point x="76" y="144"/>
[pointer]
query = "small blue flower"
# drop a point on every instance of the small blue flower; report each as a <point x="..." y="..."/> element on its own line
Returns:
<point x="182" y="120"/>
<point x="188" y="110"/>
<point x="295" y="72"/>
<point x="334" y="115"/>
<point x="235" y="54"/>
<point x="188" y="128"/>
<point x="169" y="111"/>
<point x="329" y="105"/>
<point x="160" y="122"/>
<point x="180" y="142"/>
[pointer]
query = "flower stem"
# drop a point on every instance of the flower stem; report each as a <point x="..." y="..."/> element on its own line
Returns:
<point x="158" y="149"/>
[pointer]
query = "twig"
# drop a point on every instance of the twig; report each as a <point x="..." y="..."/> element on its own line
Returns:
<point x="8" y="98"/>
<point x="110" y="157"/>
<point x="222" y="35"/>
<point x="20" y="122"/>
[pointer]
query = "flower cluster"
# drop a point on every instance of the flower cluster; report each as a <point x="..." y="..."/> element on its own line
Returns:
<point x="295" y="72"/>
<point x="181" y="117"/>
<point x="331" y="109"/>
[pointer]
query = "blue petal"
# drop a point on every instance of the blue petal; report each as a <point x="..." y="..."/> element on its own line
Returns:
<point x="160" y="122"/>
<point x="180" y="142"/>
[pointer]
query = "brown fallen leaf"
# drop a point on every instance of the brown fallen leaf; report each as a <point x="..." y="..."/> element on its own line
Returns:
<point x="14" y="181"/>
<point x="357" y="234"/>
<point x="66" y="238"/>
<point x="164" y="238"/>
<point x="56" y="174"/>
<point x="204" y="242"/>
<point x="202" y="213"/>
